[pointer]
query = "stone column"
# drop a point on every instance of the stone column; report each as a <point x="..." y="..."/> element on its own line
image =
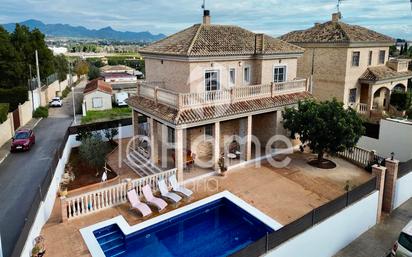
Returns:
<point x="379" y="172"/>
<point x="391" y="176"/>
<point x="249" y="138"/>
<point x="154" y="150"/>
<point x="63" y="206"/>
<point x="164" y="146"/>
<point x="179" y="153"/>
<point x="216" y="150"/>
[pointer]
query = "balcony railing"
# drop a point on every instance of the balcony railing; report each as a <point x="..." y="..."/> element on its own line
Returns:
<point x="363" y="108"/>
<point x="230" y="95"/>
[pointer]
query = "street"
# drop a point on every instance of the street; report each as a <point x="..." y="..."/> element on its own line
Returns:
<point x="22" y="173"/>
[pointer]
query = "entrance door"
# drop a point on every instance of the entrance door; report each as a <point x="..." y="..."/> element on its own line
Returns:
<point x="364" y="93"/>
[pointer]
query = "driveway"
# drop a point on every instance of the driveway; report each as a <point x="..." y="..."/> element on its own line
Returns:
<point x="22" y="173"/>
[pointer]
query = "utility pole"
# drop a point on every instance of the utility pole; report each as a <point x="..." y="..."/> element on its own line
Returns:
<point x="38" y="70"/>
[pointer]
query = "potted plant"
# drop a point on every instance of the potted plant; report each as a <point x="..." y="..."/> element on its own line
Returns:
<point x="222" y="166"/>
<point x="63" y="189"/>
<point x="38" y="249"/>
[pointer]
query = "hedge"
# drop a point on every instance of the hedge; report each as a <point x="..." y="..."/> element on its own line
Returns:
<point x="41" y="112"/>
<point x="4" y="110"/>
<point x="14" y="96"/>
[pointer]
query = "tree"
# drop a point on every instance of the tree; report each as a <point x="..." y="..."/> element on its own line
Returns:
<point x="110" y="133"/>
<point x="61" y="66"/>
<point x="326" y="126"/>
<point x="93" y="73"/>
<point x="81" y="68"/>
<point x="93" y="151"/>
<point x="401" y="100"/>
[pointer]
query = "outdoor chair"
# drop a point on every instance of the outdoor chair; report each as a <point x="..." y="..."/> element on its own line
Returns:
<point x="150" y="199"/>
<point x="164" y="191"/>
<point x="136" y="204"/>
<point x="178" y="188"/>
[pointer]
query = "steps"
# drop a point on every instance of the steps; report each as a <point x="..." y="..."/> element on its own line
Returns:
<point x="111" y="240"/>
<point x="141" y="165"/>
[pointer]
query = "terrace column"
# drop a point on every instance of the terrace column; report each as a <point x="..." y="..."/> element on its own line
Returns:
<point x="370" y="99"/>
<point x="249" y="138"/>
<point x="164" y="146"/>
<point x="216" y="144"/>
<point x="154" y="149"/>
<point x="63" y="205"/>
<point x="379" y="172"/>
<point x="391" y="176"/>
<point x="179" y="153"/>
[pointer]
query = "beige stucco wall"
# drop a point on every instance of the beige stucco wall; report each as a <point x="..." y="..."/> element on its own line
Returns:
<point x="88" y="99"/>
<point x="25" y="112"/>
<point x="184" y="77"/>
<point x="6" y="130"/>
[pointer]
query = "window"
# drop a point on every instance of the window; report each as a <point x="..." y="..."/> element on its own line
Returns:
<point x="370" y="58"/>
<point x="97" y="102"/>
<point x="232" y="76"/>
<point x="279" y="74"/>
<point x="382" y="54"/>
<point x="355" y="59"/>
<point x="246" y="74"/>
<point x="208" y="131"/>
<point x="212" y="80"/>
<point x="352" y="95"/>
<point x="406" y="241"/>
<point x="170" y="135"/>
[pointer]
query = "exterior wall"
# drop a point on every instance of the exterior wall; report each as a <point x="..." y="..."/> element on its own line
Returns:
<point x="203" y="150"/>
<point x="393" y="137"/>
<point x="333" y="234"/>
<point x="187" y="77"/>
<point x="26" y="112"/>
<point x="403" y="190"/>
<point x="329" y="71"/>
<point x="107" y="101"/>
<point x="353" y="73"/>
<point x="264" y="126"/>
<point x="174" y="73"/>
<point x="6" y="129"/>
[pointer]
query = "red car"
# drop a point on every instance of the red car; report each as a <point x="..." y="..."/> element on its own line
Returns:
<point x="23" y="140"/>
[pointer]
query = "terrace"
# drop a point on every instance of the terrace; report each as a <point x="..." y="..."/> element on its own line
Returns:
<point x="284" y="194"/>
<point x="155" y="91"/>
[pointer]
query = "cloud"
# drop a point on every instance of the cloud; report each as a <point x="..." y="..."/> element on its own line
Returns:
<point x="275" y="17"/>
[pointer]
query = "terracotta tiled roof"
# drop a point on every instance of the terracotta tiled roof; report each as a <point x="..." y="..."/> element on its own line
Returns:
<point x="336" y="32"/>
<point x="99" y="85"/>
<point x="217" y="40"/>
<point x="383" y="73"/>
<point x="198" y="114"/>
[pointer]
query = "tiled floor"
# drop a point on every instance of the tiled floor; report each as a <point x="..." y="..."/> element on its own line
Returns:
<point x="284" y="194"/>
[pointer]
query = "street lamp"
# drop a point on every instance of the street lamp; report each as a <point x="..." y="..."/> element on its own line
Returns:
<point x="74" y="108"/>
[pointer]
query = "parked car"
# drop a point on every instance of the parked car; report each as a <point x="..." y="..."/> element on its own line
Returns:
<point x="56" y="102"/>
<point x="23" y="140"/>
<point x="120" y="99"/>
<point x="403" y="247"/>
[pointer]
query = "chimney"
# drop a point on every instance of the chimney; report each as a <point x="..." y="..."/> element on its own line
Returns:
<point x="259" y="43"/>
<point x="336" y="16"/>
<point x="206" y="17"/>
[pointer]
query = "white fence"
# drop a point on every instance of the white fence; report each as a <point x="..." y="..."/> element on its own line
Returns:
<point x="403" y="190"/>
<point x="108" y="197"/>
<point x="359" y="156"/>
<point x="333" y="234"/>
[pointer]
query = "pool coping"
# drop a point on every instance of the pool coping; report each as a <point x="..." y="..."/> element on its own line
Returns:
<point x="96" y="251"/>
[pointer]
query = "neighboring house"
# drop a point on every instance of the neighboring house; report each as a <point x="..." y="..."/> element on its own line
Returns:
<point x="97" y="95"/>
<point x="218" y="83"/>
<point x="350" y="63"/>
<point x="116" y="69"/>
<point x="119" y="77"/>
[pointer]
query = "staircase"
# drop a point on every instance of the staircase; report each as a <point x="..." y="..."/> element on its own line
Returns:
<point x="111" y="240"/>
<point x="140" y="164"/>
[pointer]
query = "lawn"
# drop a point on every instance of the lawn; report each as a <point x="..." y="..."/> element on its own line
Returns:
<point x="112" y="114"/>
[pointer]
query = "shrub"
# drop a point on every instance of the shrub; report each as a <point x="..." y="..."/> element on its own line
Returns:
<point x="65" y="92"/>
<point x="4" y="110"/>
<point x="400" y="100"/>
<point x="14" y="96"/>
<point x="41" y="112"/>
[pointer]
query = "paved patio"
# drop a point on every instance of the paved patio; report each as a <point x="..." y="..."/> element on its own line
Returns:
<point x="284" y="194"/>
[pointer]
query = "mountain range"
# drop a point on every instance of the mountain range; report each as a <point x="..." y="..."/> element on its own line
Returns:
<point x="66" y="30"/>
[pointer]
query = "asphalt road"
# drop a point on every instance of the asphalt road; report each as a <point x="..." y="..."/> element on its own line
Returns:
<point x="22" y="173"/>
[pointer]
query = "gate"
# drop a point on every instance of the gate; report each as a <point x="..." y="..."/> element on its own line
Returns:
<point x="16" y="119"/>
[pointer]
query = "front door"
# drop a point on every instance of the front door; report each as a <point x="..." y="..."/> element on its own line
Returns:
<point x="364" y="93"/>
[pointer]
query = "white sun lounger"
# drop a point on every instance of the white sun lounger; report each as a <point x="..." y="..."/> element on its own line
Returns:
<point x="178" y="188"/>
<point x="136" y="204"/>
<point x="164" y="191"/>
<point x="148" y="195"/>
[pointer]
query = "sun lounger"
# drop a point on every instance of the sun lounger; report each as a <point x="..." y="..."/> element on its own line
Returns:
<point x="178" y="188"/>
<point x="164" y="191"/>
<point x="148" y="195"/>
<point x="136" y="204"/>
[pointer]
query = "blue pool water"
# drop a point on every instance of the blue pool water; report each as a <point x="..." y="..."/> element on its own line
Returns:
<point x="219" y="228"/>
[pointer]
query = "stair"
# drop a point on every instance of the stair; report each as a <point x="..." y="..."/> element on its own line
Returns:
<point x="111" y="240"/>
<point x="141" y="165"/>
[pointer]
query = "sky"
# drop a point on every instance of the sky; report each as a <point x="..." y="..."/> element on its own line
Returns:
<point x="274" y="17"/>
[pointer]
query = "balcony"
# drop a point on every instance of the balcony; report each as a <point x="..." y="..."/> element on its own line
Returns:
<point x="224" y="96"/>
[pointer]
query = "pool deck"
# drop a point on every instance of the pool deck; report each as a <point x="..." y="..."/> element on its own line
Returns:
<point x="284" y="194"/>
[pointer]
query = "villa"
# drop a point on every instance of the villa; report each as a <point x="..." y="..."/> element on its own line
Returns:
<point x="350" y="63"/>
<point x="209" y="88"/>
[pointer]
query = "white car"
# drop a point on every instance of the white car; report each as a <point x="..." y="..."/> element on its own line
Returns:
<point x="56" y="102"/>
<point x="403" y="247"/>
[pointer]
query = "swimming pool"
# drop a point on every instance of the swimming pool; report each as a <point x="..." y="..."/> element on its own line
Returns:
<point x="216" y="226"/>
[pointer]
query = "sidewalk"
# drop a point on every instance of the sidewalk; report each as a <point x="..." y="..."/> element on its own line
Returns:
<point x="5" y="148"/>
<point x="378" y="241"/>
